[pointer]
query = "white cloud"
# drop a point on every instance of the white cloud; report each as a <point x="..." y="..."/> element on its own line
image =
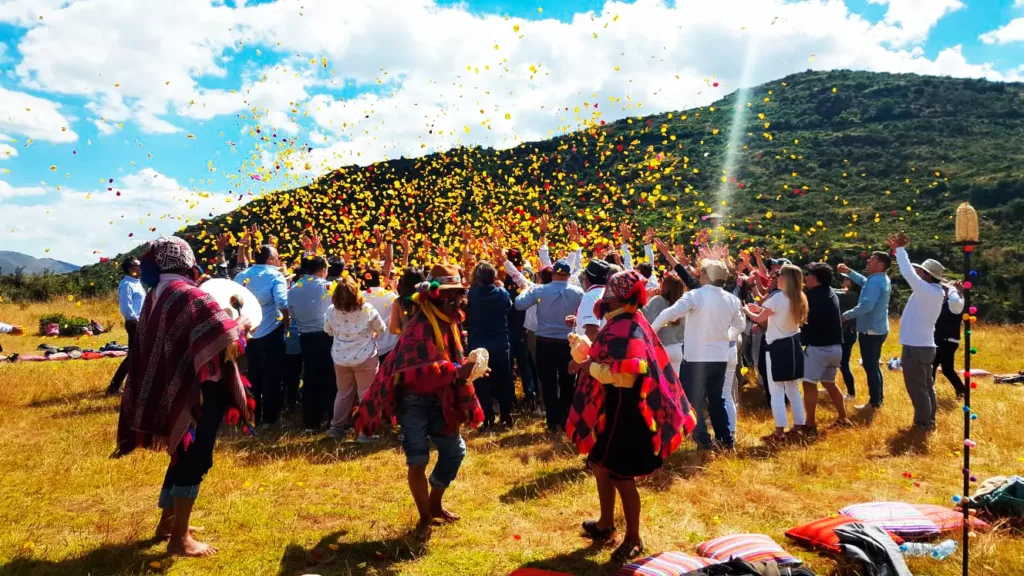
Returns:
<point x="37" y="118"/>
<point x="7" y="191"/>
<point x="80" y="226"/>
<point x="1013" y="31"/>
<point x="154" y="55"/>
<point x="911" y="20"/>
<point x="6" y="150"/>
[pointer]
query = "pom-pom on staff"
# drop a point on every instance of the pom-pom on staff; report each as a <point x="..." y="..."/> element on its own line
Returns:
<point x="967" y="238"/>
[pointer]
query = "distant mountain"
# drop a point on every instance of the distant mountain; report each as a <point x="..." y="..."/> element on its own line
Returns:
<point x="10" y="262"/>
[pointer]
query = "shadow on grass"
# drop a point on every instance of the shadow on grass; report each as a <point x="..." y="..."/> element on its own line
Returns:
<point x="72" y="411"/>
<point x="68" y="399"/>
<point x="547" y="483"/>
<point x="911" y="440"/>
<point x="752" y="400"/>
<point x="330" y="557"/>
<point x="110" y="559"/>
<point x="581" y="561"/>
<point x="947" y="404"/>
<point x="288" y="445"/>
<point x="523" y="440"/>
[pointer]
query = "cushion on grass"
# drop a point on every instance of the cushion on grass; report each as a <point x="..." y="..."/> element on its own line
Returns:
<point x="948" y="519"/>
<point x="537" y="572"/>
<point x="665" y="564"/>
<point x="821" y="533"/>
<point x="897" y="518"/>
<point x="749" y="547"/>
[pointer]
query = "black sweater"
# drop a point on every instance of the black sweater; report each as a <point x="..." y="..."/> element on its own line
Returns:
<point x="824" y="325"/>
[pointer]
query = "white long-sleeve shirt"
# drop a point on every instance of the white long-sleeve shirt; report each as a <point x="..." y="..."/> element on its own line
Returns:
<point x="917" y="325"/>
<point x="710" y="314"/>
<point x="6" y="328"/>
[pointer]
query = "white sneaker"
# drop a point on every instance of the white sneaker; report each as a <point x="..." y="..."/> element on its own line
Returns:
<point x="850" y="398"/>
<point x="364" y="439"/>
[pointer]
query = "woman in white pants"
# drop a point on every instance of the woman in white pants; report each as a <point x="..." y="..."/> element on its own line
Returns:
<point x="730" y="387"/>
<point x="355" y="325"/>
<point x="785" y="311"/>
<point x="671" y="336"/>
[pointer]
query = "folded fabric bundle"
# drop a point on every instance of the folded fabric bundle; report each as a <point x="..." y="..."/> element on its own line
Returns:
<point x="665" y="564"/>
<point x="871" y="550"/>
<point x="739" y="567"/>
<point x="821" y="533"/>
<point x="895" y="517"/>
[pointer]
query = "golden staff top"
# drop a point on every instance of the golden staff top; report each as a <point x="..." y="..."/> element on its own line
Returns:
<point x="966" y="224"/>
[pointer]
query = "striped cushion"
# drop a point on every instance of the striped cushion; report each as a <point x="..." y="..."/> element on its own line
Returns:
<point x="822" y="534"/>
<point x="665" y="564"/>
<point x="896" y="517"/>
<point x="949" y="520"/>
<point x="749" y="547"/>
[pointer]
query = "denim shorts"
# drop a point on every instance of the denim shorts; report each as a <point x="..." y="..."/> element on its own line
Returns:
<point x="421" y="419"/>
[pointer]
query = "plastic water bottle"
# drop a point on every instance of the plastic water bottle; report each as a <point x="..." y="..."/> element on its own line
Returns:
<point x="939" y="551"/>
<point x="916" y="548"/>
<point x="943" y="549"/>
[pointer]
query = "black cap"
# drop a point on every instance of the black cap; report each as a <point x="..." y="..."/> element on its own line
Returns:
<point x="597" y="271"/>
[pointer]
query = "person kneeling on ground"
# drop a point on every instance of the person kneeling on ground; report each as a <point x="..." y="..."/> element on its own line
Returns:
<point x="425" y="384"/>
<point x="629" y="412"/>
<point x="179" y="391"/>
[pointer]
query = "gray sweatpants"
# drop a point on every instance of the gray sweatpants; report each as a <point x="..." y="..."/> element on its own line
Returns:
<point x="917" y="376"/>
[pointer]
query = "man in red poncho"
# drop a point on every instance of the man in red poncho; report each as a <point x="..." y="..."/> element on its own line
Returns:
<point x="425" y="384"/>
<point x="182" y="382"/>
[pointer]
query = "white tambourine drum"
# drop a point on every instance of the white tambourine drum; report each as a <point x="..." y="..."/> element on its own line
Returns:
<point x="225" y="291"/>
<point x="478" y="358"/>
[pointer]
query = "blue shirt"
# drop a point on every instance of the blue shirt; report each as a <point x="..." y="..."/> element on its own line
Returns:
<point x="130" y="296"/>
<point x="308" y="301"/>
<point x="872" y="310"/>
<point x="267" y="283"/>
<point x="487" y="316"/>
<point x="554" y="302"/>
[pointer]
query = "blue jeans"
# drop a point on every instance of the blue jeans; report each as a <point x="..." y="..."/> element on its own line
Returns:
<point x="421" y="417"/>
<point x="871" y="355"/>
<point x="703" y="383"/>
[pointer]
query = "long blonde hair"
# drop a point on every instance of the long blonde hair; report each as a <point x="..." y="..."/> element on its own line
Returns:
<point x="794" y="290"/>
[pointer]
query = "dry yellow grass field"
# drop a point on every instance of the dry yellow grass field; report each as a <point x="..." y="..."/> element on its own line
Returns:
<point x="284" y="503"/>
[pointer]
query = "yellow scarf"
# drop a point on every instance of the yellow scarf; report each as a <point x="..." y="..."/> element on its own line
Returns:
<point x="435" y="316"/>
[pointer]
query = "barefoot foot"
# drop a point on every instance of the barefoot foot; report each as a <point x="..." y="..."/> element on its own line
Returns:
<point x="190" y="548"/>
<point x="444" y="516"/>
<point x="423" y="531"/>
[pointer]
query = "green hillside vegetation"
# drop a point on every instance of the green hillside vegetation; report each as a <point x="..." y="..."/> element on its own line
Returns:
<point x="838" y="161"/>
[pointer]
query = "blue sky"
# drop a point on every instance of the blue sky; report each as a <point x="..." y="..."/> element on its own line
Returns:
<point x="137" y="96"/>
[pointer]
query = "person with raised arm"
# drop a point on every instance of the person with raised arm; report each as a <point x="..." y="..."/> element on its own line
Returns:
<point x="872" y="317"/>
<point x="710" y="312"/>
<point x="917" y="329"/>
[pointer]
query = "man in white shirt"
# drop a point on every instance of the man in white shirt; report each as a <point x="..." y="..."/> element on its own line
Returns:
<point x="917" y="329"/>
<point x="710" y="313"/>
<point x="381" y="298"/>
<point x="594" y="277"/>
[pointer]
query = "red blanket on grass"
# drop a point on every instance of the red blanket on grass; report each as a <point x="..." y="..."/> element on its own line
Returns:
<point x="629" y="345"/>
<point x="184" y="339"/>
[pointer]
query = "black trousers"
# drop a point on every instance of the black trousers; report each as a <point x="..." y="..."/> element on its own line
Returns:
<point x="520" y="358"/>
<point x="292" y="376"/>
<point x="319" y="386"/>
<point x="132" y="328"/>
<point x="945" y="358"/>
<point x="498" y="384"/>
<point x="849" y="340"/>
<point x="266" y="360"/>
<point x="188" y="467"/>
<point x="553" y="357"/>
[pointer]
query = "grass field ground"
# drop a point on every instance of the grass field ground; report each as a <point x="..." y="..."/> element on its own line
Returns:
<point x="285" y="503"/>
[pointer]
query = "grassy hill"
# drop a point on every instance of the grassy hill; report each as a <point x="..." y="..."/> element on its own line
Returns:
<point x="826" y="165"/>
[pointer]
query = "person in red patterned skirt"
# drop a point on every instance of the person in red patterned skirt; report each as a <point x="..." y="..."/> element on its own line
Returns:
<point x="629" y="412"/>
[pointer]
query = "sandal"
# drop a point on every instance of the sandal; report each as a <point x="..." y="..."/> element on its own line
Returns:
<point x="590" y="530"/>
<point x="628" y="551"/>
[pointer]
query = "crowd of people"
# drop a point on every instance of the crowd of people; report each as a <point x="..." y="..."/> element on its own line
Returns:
<point x="618" y="355"/>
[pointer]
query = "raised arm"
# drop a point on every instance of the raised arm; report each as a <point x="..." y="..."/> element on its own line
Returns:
<point x="676" y="311"/>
